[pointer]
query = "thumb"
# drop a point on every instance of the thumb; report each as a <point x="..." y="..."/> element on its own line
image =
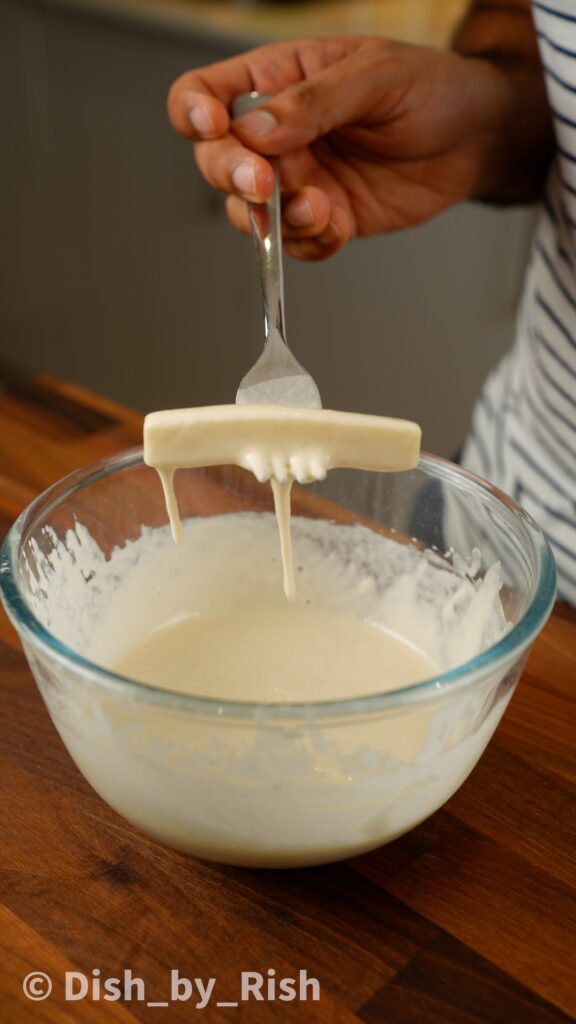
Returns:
<point x="345" y="93"/>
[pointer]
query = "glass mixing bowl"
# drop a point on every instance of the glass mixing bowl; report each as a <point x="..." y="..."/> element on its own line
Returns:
<point x="274" y="785"/>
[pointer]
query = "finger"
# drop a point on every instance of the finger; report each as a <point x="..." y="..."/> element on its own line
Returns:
<point x="337" y="95"/>
<point x="237" y="210"/>
<point x="334" y="236"/>
<point x="231" y="168"/>
<point x="308" y="250"/>
<point x="199" y="101"/>
<point x="305" y="212"/>
<point x="197" y="115"/>
<point x="313" y="249"/>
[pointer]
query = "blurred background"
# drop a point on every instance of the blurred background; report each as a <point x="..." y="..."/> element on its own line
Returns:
<point x="119" y="269"/>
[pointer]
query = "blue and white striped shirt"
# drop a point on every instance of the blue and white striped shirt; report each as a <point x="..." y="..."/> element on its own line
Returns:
<point x="523" y="435"/>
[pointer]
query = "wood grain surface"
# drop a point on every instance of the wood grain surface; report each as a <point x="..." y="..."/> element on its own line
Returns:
<point x="469" y="918"/>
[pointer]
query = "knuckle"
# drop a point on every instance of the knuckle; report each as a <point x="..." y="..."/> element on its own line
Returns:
<point x="300" y="99"/>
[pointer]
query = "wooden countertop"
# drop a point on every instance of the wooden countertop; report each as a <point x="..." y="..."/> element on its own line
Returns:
<point x="469" y="918"/>
<point x="429" y="22"/>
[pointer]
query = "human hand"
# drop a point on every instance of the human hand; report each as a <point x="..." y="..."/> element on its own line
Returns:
<point x="371" y="135"/>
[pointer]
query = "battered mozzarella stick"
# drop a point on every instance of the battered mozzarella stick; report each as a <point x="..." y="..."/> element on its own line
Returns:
<point x="280" y="441"/>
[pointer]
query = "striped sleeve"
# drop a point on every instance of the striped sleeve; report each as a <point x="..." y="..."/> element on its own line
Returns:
<point x="523" y="433"/>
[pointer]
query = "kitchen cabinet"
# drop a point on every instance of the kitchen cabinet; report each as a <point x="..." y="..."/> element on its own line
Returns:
<point x="120" y="271"/>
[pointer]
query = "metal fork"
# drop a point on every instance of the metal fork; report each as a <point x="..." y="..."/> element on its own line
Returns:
<point x="277" y="378"/>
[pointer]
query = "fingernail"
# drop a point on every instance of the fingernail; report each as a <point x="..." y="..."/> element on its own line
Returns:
<point x="244" y="178"/>
<point x="258" y="122"/>
<point x="299" y="213"/>
<point x="201" y="121"/>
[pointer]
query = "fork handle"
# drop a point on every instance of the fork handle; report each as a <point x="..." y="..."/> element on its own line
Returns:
<point x="267" y="236"/>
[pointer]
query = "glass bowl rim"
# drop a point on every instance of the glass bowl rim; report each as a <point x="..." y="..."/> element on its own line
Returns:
<point x="511" y="645"/>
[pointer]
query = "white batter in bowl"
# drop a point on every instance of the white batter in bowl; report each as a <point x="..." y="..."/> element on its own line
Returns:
<point x="234" y="759"/>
